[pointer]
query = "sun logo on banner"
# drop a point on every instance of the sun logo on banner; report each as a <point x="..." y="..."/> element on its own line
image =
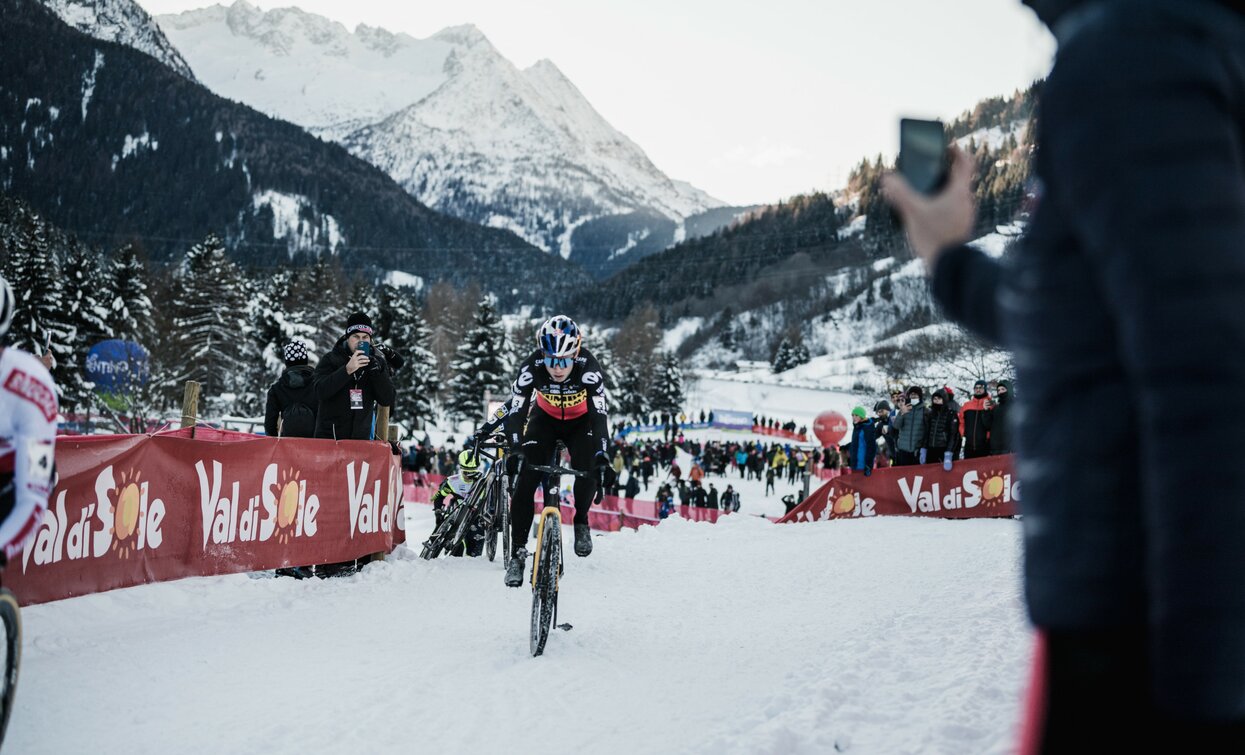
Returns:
<point x="842" y="502"/>
<point x="125" y="514"/>
<point x="993" y="486"/>
<point x="287" y="505"/>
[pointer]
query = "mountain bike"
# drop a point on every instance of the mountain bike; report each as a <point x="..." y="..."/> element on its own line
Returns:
<point x="487" y="504"/>
<point x="496" y="512"/>
<point x="547" y="562"/>
<point x="11" y="615"/>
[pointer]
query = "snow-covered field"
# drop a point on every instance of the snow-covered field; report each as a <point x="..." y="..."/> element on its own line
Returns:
<point x="873" y="636"/>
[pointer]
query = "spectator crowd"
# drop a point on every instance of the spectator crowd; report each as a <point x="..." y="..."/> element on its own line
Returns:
<point x="906" y="430"/>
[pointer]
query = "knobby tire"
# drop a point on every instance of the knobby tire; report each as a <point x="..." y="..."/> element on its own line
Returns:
<point x="494" y="509"/>
<point x="440" y="539"/>
<point x="12" y="617"/>
<point x="545" y="591"/>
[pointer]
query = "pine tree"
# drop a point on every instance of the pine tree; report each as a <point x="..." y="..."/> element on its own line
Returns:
<point x="39" y="317"/>
<point x="210" y="321"/>
<point x="317" y="307"/>
<point x="726" y="336"/>
<point x="89" y="291"/>
<point x="604" y="355"/>
<point x="479" y="365"/>
<point x="129" y="312"/>
<point x="667" y="390"/>
<point x="519" y="346"/>
<point x="799" y="354"/>
<point x="630" y="392"/>
<point x="266" y="313"/>
<point x="782" y="357"/>
<point x="400" y="324"/>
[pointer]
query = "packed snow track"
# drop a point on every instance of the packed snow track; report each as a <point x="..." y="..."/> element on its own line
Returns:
<point x="872" y="636"/>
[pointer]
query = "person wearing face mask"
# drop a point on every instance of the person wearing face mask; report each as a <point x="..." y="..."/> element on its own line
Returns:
<point x="560" y="393"/>
<point x="909" y="428"/>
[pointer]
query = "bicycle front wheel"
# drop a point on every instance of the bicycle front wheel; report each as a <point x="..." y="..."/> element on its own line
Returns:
<point x="440" y="538"/>
<point x="490" y="541"/>
<point x="545" y="591"/>
<point x="12" y="617"/>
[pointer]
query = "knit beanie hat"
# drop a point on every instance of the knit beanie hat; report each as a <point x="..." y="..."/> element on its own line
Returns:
<point x="294" y="353"/>
<point x="918" y="390"/>
<point x="860" y="412"/>
<point x="359" y="322"/>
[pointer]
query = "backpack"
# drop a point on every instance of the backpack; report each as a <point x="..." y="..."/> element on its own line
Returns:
<point x="298" y="421"/>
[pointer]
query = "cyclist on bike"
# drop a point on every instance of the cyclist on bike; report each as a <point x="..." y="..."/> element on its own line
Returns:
<point x="569" y="390"/>
<point x="470" y="470"/>
<point x="27" y="437"/>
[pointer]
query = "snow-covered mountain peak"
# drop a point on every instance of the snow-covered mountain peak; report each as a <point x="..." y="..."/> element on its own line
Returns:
<point x="121" y="21"/>
<point x="449" y="117"/>
<point x="464" y="35"/>
<point x="381" y="40"/>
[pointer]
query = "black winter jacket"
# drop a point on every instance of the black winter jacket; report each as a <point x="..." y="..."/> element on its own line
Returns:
<point x="335" y="418"/>
<point x="295" y="386"/>
<point x="942" y="432"/>
<point x="1131" y="284"/>
<point x="1000" y="430"/>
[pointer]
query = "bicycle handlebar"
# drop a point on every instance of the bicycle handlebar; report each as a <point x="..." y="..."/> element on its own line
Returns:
<point x="558" y="470"/>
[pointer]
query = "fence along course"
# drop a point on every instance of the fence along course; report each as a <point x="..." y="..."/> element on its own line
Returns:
<point x="134" y="509"/>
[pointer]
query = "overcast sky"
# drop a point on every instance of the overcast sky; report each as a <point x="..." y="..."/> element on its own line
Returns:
<point x="750" y="101"/>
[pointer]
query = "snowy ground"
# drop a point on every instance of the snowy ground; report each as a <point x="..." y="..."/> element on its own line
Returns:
<point x="873" y="636"/>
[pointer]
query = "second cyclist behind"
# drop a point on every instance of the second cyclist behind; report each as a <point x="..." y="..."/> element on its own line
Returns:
<point x="470" y="470"/>
<point x="560" y="393"/>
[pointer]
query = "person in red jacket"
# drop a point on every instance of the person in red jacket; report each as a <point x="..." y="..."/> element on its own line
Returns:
<point x="976" y="418"/>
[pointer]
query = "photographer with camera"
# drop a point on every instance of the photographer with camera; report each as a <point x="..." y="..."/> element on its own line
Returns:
<point x="350" y="381"/>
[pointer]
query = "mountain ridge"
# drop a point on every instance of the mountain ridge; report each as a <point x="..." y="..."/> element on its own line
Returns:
<point x="169" y="169"/>
<point x="451" y="119"/>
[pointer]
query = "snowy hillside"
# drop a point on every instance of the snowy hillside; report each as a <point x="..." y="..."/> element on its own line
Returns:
<point x="454" y="122"/>
<point x="121" y="21"/>
<point x="883" y="308"/>
<point x="872" y="637"/>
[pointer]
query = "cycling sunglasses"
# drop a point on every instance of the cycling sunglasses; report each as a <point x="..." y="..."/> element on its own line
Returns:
<point x="559" y="362"/>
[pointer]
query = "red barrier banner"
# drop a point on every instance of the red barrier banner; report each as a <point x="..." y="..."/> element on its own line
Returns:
<point x="982" y="487"/>
<point x="133" y="509"/>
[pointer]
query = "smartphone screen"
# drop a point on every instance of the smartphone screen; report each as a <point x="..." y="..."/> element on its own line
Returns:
<point x="922" y="154"/>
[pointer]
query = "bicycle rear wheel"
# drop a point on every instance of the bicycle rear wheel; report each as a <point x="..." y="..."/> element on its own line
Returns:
<point x="545" y="590"/>
<point x="12" y="647"/>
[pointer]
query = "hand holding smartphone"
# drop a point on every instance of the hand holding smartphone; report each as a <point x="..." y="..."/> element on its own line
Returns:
<point x="923" y="158"/>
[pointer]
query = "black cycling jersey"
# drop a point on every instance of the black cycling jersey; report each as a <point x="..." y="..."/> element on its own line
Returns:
<point x="581" y="394"/>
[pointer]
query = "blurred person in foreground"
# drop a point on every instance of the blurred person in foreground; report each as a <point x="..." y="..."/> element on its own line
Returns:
<point x="1130" y="284"/>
